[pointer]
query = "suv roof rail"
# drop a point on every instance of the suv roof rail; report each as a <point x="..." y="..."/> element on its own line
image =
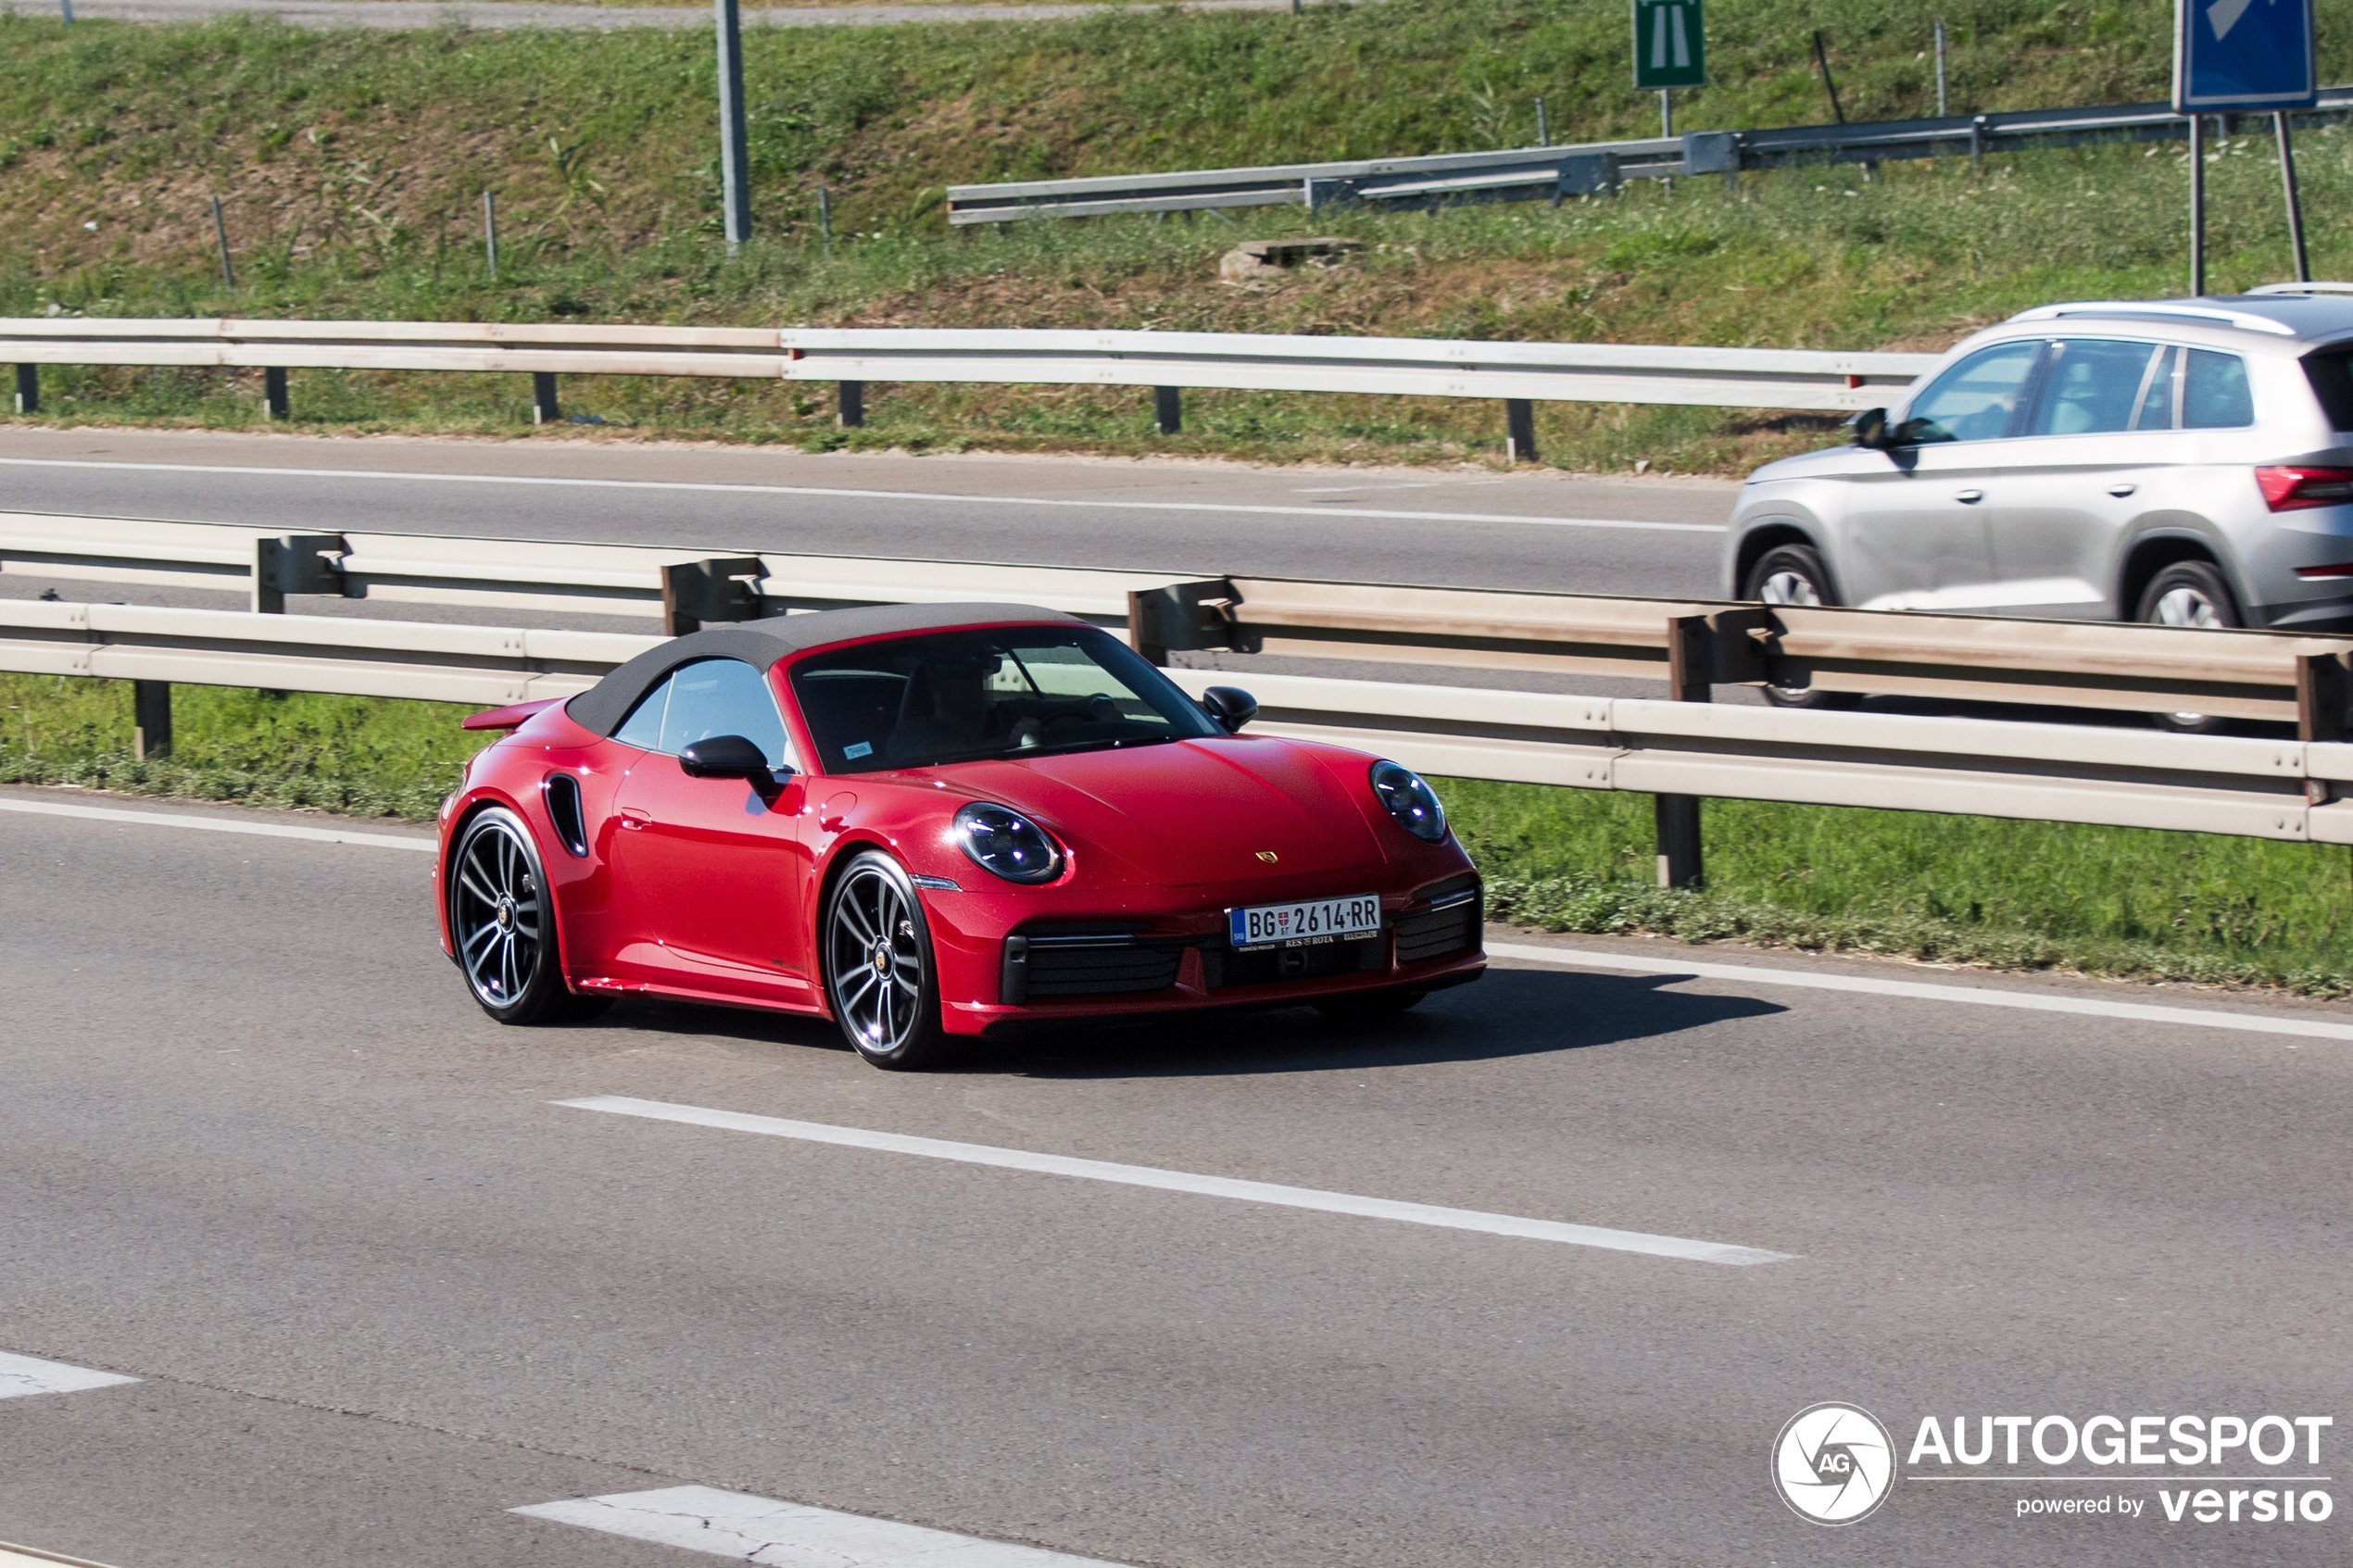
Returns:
<point x="2301" y="288"/>
<point x="2199" y="311"/>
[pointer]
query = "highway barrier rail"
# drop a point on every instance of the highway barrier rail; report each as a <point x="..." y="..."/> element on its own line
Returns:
<point x="1691" y="645"/>
<point x="680" y="588"/>
<point x="1515" y="373"/>
<point x="2281" y="789"/>
<point x="1585" y="169"/>
<point x="1695" y="645"/>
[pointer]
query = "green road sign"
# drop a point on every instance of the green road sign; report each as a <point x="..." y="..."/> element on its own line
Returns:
<point x="1669" y="47"/>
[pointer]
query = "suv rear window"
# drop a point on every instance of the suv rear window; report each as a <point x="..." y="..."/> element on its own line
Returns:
<point x="2331" y="374"/>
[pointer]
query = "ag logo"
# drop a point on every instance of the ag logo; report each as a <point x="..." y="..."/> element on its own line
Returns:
<point x="1833" y="1464"/>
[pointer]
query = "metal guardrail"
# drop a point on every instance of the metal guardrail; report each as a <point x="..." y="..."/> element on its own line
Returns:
<point x="1514" y="372"/>
<point x="2045" y="773"/>
<point x="1584" y="168"/>
<point x="1693" y="645"/>
<point x="1690" y="646"/>
<point x="680" y="588"/>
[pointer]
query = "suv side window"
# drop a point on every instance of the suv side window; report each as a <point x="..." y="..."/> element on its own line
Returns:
<point x="2214" y="392"/>
<point x="711" y="697"/>
<point x="1975" y="399"/>
<point x="2094" y="387"/>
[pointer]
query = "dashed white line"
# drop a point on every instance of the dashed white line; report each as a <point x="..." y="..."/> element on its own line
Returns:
<point x="23" y="1376"/>
<point x="873" y="495"/>
<point x="1974" y="995"/>
<point x="210" y="824"/>
<point x="1183" y="1181"/>
<point x="789" y="1535"/>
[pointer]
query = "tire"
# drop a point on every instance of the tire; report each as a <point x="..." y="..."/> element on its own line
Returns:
<point x="1793" y="574"/>
<point x="881" y="980"/>
<point x="503" y="925"/>
<point x="2193" y="595"/>
<point x="1369" y="1005"/>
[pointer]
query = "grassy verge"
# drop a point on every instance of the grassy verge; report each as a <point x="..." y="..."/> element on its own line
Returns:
<point x="351" y="166"/>
<point x="2110" y="901"/>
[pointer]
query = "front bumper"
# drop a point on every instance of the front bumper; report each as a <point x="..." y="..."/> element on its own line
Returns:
<point x="1134" y="964"/>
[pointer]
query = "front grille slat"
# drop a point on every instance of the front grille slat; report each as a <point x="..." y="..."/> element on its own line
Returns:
<point x="1434" y="933"/>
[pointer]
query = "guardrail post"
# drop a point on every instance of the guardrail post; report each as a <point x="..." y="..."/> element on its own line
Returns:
<point x="1691" y="669"/>
<point x="849" y="404"/>
<point x="1519" y="430"/>
<point x="293" y="563"/>
<point x="716" y="589"/>
<point x="1180" y="617"/>
<point x="1168" y="409"/>
<point x="273" y="393"/>
<point x="28" y="389"/>
<point x="2323" y="690"/>
<point x="150" y="719"/>
<point x="544" y="407"/>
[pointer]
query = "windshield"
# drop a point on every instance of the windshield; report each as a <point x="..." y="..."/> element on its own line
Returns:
<point x="1008" y="691"/>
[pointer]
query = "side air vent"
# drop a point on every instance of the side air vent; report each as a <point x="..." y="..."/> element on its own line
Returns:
<point x="563" y="810"/>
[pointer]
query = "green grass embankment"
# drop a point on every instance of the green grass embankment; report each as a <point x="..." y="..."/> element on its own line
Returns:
<point x="351" y="165"/>
<point x="2116" y="901"/>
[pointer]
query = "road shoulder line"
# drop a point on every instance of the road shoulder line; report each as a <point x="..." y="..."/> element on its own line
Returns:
<point x="1918" y="990"/>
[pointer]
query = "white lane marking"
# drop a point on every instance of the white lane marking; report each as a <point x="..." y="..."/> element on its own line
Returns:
<point x="21" y="1376"/>
<point x="2198" y="1018"/>
<point x="870" y="495"/>
<point x="789" y="1535"/>
<point x="207" y="824"/>
<point x="33" y="1557"/>
<point x="1182" y="1181"/>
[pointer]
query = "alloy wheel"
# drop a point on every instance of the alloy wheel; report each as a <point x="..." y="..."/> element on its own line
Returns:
<point x="875" y="961"/>
<point x="497" y="912"/>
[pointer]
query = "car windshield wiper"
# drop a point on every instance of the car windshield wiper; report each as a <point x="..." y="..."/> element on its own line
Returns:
<point x="1098" y="745"/>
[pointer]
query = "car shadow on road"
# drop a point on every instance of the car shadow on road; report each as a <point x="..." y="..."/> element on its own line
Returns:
<point x="1511" y="1012"/>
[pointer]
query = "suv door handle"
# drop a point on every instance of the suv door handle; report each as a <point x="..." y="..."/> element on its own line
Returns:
<point x="2121" y="491"/>
<point x="1969" y="498"/>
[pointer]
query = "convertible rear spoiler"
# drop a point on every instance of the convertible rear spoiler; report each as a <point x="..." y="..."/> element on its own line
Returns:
<point x="509" y="717"/>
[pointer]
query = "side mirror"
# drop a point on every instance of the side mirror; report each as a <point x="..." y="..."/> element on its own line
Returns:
<point x="1870" y="430"/>
<point x="1231" y="705"/>
<point x="723" y="757"/>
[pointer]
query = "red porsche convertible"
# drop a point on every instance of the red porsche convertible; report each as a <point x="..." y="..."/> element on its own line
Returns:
<point x="932" y="822"/>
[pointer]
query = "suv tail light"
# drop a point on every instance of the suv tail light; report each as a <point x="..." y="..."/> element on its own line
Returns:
<point x="2293" y="489"/>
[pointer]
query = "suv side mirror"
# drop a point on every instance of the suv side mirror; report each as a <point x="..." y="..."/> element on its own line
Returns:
<point x="723" y="757"/>
<point x="1870" y="430"/>
<point x="1231" y="705"/>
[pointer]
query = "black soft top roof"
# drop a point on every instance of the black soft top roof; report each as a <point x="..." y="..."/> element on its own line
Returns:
<point x="762" y="642"/>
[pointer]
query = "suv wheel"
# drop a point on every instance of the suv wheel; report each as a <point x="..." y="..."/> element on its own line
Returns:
<point x="2192" y="594"/>
<point x="1793" y="574"/>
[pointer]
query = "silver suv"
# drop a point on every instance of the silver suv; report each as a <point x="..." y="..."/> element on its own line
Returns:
<point x="2182" y="461"/>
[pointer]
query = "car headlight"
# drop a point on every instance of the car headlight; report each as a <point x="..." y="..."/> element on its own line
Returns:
<point x="1412" y="802"/>
<point x="1005" y="843"/>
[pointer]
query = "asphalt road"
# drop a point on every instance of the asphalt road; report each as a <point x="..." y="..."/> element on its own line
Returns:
<point x="259" y="1151"/>
<point x="1462" y="526"/>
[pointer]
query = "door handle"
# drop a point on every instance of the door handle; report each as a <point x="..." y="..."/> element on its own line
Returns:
<point x="2121" y="491"/>
<point x="1969" y="498"/>
<point x="633" y="818"/>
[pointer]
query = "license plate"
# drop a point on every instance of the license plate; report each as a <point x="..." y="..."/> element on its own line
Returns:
<point x="1306" y="920"/>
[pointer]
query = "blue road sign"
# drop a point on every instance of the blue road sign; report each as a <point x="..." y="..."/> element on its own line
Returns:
<point x="2243" y="55"/>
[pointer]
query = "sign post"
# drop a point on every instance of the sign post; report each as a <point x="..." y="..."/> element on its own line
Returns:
<point x="1670" y="52"/>
<point x="2240" y="56"/>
